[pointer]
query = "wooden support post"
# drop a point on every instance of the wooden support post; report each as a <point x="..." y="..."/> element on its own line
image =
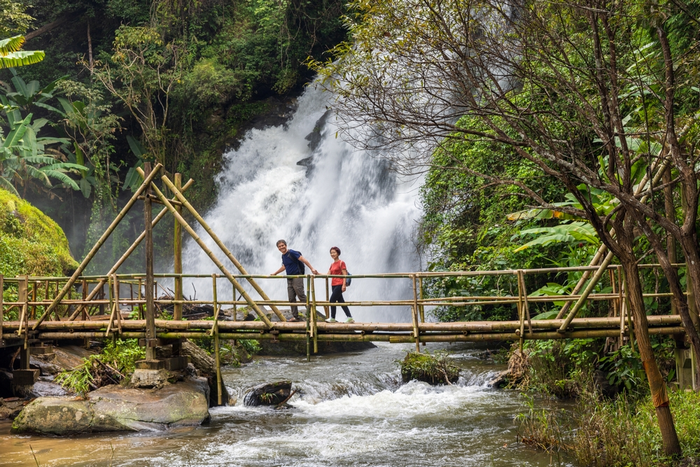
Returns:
<point x="146" y="183"/>
<point x="150" y="305"/>
<point x="211" y="255"/>
<point x="325" y="307"/>
<point x="219" y="243"/>
<point x="217" y="354"/>
<point x="177" y="247"/>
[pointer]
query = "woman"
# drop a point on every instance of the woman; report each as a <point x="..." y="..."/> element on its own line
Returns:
<point x="338" y="284"/>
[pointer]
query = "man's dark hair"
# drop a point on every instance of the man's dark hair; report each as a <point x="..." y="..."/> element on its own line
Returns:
<point x="281" y="241"/>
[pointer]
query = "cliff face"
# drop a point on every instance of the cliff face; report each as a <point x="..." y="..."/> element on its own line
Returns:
<point x="30" y="242"/>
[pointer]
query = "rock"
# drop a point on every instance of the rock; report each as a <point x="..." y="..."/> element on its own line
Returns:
<point x="46" y="363"/>
<point x="47" y="388"/>
<point x="433" y="369"/>
<point x="151" y="378"/>
<point x="268" y="394"/>
<point x="115" y="408"/>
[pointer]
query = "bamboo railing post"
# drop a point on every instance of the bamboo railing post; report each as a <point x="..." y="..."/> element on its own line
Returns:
<point x="215" y="332"/>
<point x="308" y="324"/>
<point x="526" y="306"/>
<point x="589" y="288"/>
<point x="85" y="292"/>
<point x="314" y="322"/>
<point x="325" y="307"/>
<point x="146" y="183"/>
<point x="2" y="307"/>
<point x="420" y="292"/>
<point x="112" y="309"/>
<point x="141" y="314"/>
<point x="215" y="303"/>
<point x="235" y="308"/>
<point x="220" y="244"/>
<point x="150" y="305"/>
<point x="115" y="283"/>
<point x="177" y="247"/>
<point x="414" y="314"/>
<point x="34" y="285"/>
<point x="211" y="255"/>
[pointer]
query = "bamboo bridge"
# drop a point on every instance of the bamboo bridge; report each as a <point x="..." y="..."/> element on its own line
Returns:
<point x="113" y="305"/>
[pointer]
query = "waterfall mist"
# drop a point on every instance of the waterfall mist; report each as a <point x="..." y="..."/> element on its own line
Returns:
<point x="347" y="198"/>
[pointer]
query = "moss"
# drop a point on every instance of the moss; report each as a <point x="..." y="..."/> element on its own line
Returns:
<point x="30" y="242"/>
<point x="432" y="369"/>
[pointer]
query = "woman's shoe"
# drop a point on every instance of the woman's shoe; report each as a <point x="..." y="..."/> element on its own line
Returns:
<point x="349" y="320"/>
<point x="331" y="320"/>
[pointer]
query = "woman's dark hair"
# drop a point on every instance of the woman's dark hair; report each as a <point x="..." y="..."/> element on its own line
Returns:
<point x="336" y="249"/>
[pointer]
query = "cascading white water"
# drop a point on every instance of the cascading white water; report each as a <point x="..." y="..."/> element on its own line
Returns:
<point x="349" y="198"/>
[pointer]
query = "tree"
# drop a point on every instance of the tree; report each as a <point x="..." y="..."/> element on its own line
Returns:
<point x="597" y="94"/>
<point x="141" y="74"/>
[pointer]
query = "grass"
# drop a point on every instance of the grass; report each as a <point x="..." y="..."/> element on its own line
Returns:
<point x="619" y="432"/>
<point x="432" y="368"/>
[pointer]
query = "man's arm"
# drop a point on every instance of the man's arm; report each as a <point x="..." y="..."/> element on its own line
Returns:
<point x="278" y="271"/>
<point x="306" y="262"/>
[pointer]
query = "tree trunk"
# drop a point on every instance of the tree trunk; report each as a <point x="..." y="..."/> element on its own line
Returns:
<point x="659" y="396"/>
<point x="205" y="364"/>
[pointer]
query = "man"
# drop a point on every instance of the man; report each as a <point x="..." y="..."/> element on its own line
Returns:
<point x="292" y="262"/>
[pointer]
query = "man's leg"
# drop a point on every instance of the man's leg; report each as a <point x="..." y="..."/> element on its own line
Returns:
<point x="298" y="285"/>
<point x="292" y="297"/>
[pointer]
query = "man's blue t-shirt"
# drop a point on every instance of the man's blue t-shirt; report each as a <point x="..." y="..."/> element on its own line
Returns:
<point x="291" y="262"/>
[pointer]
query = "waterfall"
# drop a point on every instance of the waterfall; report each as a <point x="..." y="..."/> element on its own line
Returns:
<point x="341" y="196"/>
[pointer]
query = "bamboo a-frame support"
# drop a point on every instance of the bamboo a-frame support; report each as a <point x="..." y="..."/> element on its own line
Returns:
<point x="209" y="253"/>
<point x="146" y="183"/>
<point x="662" y="166"/>
<point x="124" y="257"/>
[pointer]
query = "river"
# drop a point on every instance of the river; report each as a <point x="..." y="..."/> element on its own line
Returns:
<point x="350" y="410"/>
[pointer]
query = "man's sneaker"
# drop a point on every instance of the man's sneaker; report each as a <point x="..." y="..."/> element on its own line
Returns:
<point x="331" y="320"/>
<point x="293" y="320"/>
<point x="349" y="320"/>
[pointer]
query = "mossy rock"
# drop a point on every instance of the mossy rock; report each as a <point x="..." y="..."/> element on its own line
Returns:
<point x="433" y="369"/>
<point x="30" y="242"/>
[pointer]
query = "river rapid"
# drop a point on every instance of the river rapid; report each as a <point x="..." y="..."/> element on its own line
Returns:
<point x="349" y="410"/>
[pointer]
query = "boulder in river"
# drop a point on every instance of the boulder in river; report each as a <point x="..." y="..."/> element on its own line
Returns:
<point x="269" y="394"/>
<point x="433" y="369"/>
<point x="115" y="408"/>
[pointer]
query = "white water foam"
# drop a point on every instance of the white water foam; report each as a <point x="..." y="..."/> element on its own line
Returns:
<point x="350" y="199"/>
